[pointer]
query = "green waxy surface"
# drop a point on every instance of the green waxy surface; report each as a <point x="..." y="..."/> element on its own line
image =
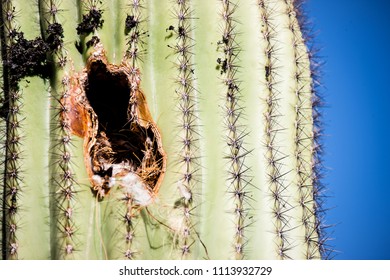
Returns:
<point x="215" y="201"/>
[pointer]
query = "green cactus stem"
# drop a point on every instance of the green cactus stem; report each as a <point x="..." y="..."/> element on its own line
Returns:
<point x="140" y="129"/>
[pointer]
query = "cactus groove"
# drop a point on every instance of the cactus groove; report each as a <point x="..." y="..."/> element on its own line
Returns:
<point x="140" y="129"/>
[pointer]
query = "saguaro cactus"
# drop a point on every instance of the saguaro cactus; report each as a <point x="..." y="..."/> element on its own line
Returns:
<point x="147" y="129"/>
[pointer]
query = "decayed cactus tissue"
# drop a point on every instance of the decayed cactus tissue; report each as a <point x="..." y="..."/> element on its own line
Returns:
<point x="173" y="129"/>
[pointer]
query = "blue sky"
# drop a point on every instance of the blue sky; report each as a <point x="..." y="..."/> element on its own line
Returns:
<point x="355" y="41"/>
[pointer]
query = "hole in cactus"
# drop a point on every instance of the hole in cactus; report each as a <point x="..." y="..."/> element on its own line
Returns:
<point x="122" y="144"/>
<point x="108" y="94"/>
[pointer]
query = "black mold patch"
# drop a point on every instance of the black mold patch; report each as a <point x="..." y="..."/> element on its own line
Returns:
<point x="94" y="40"/>
<point x="91" y="22"/>
<point x="55" y="35"/>
<point x="27" y="58"/>
<point x="131" y="22"/>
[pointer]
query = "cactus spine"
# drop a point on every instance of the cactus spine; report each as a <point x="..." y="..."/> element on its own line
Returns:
<point x="218" y="156"/>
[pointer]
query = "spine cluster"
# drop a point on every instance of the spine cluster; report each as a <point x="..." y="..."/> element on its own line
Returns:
<point x="317" y="234"/>
<point x="303" y="135"/>
<point x="64" y="185"/>
<point x="13" y="174"/>
<point x="238" y="178"/>
<point x="64" y="181"/>
<point x="135" y="33"/>
<point x="305" y="187"/>
<point x="135" y="43"/>
<point x="273" y="128"/>
<point x="187" y="155"/>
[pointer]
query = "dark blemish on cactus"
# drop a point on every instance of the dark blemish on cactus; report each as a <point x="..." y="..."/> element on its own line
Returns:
<point x="182" y="31"/>
<point x="130" y="23"/>
<point x="79" y="47"/>
<point x="170" y="35"/>
<point x="122" y="144"/>
<point x="55" y="36"/>
<point x="28" y="58"/>
<point x="267" y="72"/>
<point x="93" y="42"/>
<point x="225" y="40"/>
<point x="91" y="22"/>
<point x="222" y="64"/>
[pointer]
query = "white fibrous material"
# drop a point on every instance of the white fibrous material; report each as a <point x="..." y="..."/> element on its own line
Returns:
<point x="184" y="191"/>
<point x="132" y="184"/>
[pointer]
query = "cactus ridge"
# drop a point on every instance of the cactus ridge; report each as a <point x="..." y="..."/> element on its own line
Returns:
<point x="65" y="190"/>
<point x="133" y="54"/>
<point x="187" y="159"/>
<point x="239" y="178"/>
<point x="135" y="31"/>
<point x="273" y="130"/>
<point x="303" y="134"/>
<point x="64" y="185"/>
<point x="318" y="193"/>
<point x="13" y="173"/>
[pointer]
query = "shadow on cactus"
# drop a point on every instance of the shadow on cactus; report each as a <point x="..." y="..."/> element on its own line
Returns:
<point x="169" y="130"/>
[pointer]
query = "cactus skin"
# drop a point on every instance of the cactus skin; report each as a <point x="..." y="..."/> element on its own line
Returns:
<point x="232" y="89"/>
